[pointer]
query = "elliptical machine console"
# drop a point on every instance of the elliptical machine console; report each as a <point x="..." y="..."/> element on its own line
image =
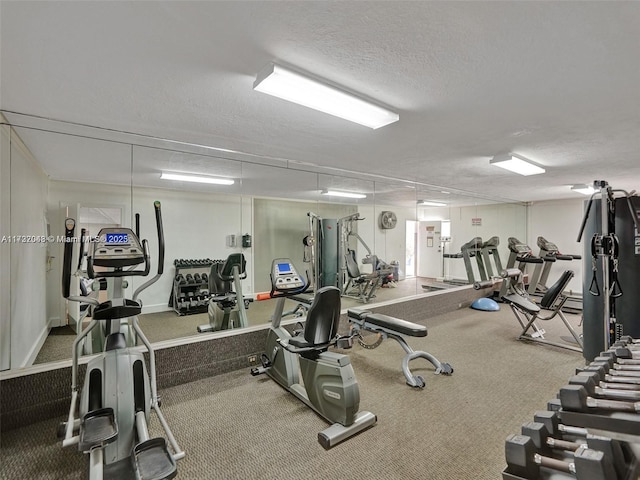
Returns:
<point x="117" y="247"/>
<point x="328" y="386"/>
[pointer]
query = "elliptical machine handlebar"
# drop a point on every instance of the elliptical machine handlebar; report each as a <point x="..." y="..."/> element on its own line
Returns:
<point x="160" y="230"/>
<point x="156" y="206"/>
<point x="69" y="229"/>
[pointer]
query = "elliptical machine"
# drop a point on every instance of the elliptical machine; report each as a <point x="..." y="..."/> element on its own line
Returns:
<point x="329" y="384"/>
<point x="118" y="394"/>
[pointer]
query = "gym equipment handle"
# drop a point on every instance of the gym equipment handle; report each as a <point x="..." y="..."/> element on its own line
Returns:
<point x="69" y="228"/>
<point x="483" y="284"/>
<point x="156" y="206"/>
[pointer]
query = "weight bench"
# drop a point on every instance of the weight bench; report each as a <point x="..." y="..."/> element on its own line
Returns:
<point x="390" y="327"/>
<point x="527" y="312"/>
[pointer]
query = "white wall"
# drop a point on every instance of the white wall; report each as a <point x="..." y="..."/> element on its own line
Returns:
<point x="5" y="248"/>
<point x="29" y="324"/>
<point x="195" y="226"/>
<point x="559" y="222"/>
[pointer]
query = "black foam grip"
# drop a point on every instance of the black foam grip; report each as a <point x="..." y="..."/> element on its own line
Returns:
<point x="83" y="232"/>
<point x="69" y="227"/>
<point x="156" y="205"/>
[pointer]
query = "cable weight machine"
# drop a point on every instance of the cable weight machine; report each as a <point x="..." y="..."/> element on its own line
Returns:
<point x="614" y="250"/>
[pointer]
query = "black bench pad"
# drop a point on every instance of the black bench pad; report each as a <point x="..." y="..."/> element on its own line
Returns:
<point x="390" y="323"/>
<point x="522" y="302"/>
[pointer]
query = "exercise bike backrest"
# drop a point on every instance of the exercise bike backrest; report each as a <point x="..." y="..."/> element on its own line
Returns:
<point x="221" y="275"/>
<point x="114" y="248"/>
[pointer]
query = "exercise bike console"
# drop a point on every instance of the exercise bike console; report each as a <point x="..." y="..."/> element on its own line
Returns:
<point x="285" y="278"/>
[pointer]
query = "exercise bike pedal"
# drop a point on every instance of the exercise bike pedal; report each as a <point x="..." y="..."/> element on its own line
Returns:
<point x="98" y="429"/>
<point x="266" y="363"/>
<point x="153" y="461"/>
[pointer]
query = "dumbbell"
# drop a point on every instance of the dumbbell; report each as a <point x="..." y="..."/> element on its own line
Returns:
<point x="190" y="278"/>
<point x="594" y="387"/>
<point x="600" y="375"/>
<point x="191" y="299"/>
<point x="611" y="448"/>
<point x="524" y="461"/>
<point x="544" y="440"/>
<point x="182" y="300"/>
<point x="180" y="279"/>
<point x="205" y="278"/>
<point x="622" y="355"/>
<point x="197" y="278"/>
<point x="551" y="421"/>
<point x="617" y="366"/>
<point x="575" y="398"/>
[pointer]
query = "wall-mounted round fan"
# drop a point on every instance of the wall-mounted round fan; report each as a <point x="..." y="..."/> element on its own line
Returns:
<point x="388" y="220"/>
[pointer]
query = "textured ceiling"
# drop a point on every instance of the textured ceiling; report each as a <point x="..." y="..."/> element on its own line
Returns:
<point x="556" y="82"/>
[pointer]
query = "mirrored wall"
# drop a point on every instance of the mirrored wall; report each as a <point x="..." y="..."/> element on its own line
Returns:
<point x="375" y="239"/>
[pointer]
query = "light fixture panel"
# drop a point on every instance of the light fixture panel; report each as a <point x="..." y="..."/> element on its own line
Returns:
<point x="429" y="203"/>
<point x="295" y="87"/>
<point x="335" y="193"/>
<point x="184" y="177"/>
<point x="583" y="189"/>
<point x="516" y="164"/>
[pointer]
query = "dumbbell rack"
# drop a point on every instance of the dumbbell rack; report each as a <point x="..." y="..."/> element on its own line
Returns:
<point x="612" y="436"/>
<point x="190" y="297"/>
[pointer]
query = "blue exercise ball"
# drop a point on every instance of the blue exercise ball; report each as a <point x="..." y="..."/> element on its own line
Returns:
<point x="485" y="304"/>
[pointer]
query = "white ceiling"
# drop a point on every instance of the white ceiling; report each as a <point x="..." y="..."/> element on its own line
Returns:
<point x="556" y="82"/>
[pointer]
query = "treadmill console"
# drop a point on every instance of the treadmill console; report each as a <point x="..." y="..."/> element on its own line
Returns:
<point x="516" y="246"/>
<point x="547" y="246"/>
<point x="117" y="247"/>
<point x="284" y="276"/>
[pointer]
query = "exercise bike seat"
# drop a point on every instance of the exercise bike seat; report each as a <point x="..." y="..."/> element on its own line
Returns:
<point x="389" y="323"/>
<point x="322" y="320"/>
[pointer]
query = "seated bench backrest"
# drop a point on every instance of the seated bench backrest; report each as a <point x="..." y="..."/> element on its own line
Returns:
<point x="352" y="264"/>
<point x="323" y="316"/>
<point x="556" y="290"/>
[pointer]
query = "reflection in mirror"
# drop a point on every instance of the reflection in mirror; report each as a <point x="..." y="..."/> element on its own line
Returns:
<point x="263" y="215"/>
<point x="343" y="235"/>
<point x="469" y="235"/>
<point x="281" y="198"/>
<point x="55" y="176"/>
<point x="5" y="247"/>
<point x="202" y="215"/>
<point x="395" y="215"/>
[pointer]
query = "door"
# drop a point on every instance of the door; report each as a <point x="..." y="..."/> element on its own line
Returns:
<point x="430" y="249"/>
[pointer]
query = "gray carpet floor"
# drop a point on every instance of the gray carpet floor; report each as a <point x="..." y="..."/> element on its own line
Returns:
<point x="235" y="426"/>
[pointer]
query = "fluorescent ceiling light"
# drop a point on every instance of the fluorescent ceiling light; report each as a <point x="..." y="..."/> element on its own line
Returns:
<point x="429" y="203"/>
<point x="196" y="178"/>
<point x="294" y="87"/>
<point x="517" y="164"/>
<point x="583" y="189"/>
<point x="334" y="193"/>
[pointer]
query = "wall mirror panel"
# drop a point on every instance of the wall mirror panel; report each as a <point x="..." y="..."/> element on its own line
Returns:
<point x="395" y="213"/>
<point x="273" y="209"/>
